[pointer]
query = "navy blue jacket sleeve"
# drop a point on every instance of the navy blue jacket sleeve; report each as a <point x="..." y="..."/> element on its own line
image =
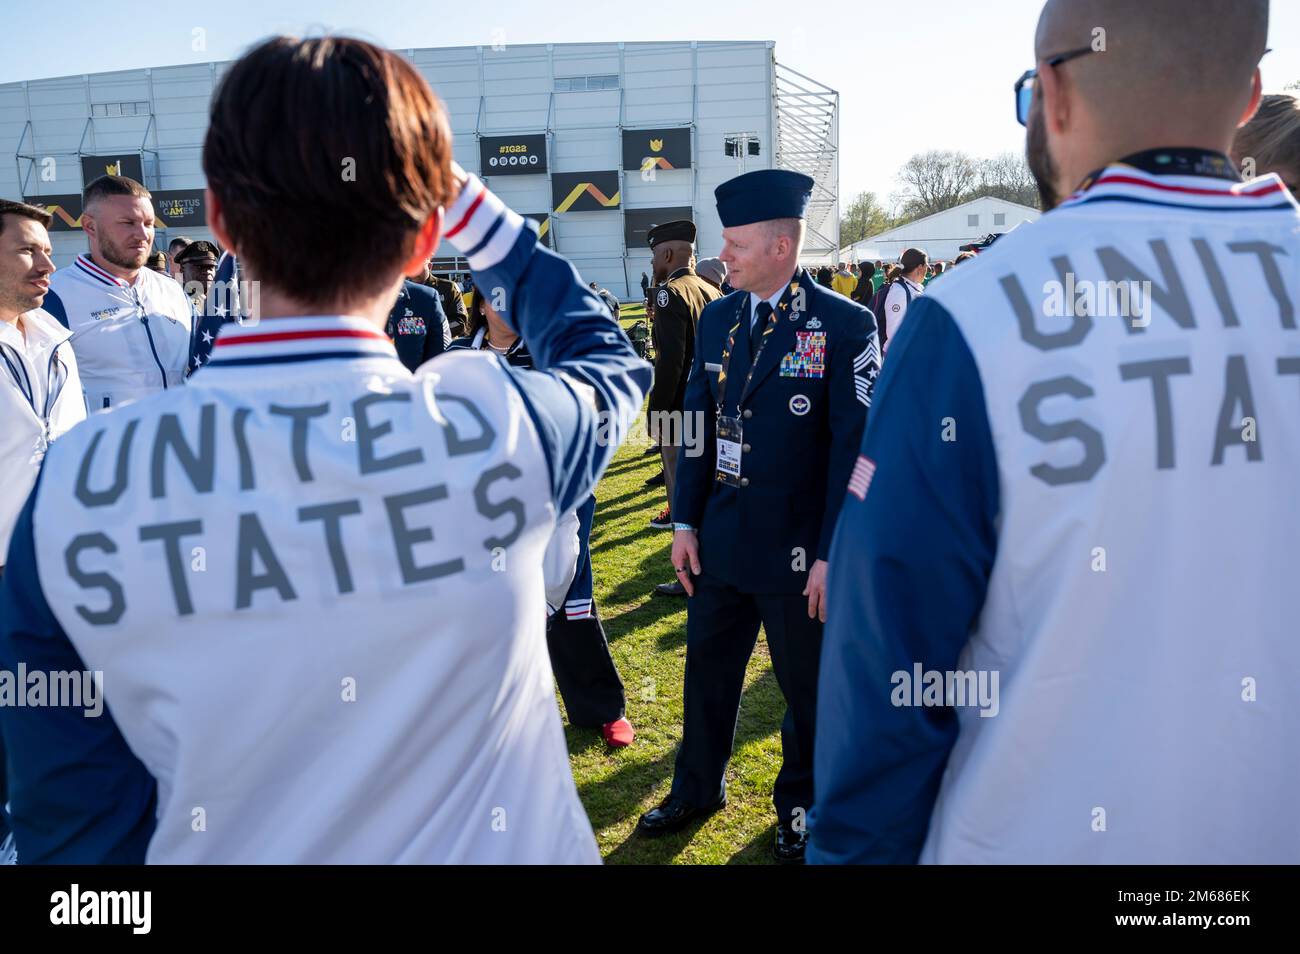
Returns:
<point x="696" y="466"/>
<point x="908" y="574"/>
<point x="77" y="794"/>
<point x="54" y="305"/>
<point x="437" y="333"/>
<point x="591" y="392"/>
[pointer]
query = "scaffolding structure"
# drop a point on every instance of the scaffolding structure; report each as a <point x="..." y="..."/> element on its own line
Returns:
<point x="807" y="141"/>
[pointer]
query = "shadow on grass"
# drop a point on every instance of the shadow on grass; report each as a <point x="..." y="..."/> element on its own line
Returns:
<point x="638" y="571"/>
<point x="618" y="798"/>
<point x="759" y="849"/>
<point x="637" y="459"/>
<point x="608" y="509"/>
<point x="642" y="536"/>
<point x="647" y="504"/>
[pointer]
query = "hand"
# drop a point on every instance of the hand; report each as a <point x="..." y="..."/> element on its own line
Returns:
<point x="815" y="590"/>
<point x="686" y="558"/>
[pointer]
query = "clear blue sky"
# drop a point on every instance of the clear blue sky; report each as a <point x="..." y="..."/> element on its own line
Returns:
<point x="911" y="77"/>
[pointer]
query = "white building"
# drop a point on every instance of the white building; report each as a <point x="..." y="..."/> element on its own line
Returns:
<point x="594" y="141"/>
<point x="941" y="235"/>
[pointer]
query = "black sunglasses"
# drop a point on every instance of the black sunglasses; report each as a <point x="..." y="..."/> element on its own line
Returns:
<point x="1025" y="85"/>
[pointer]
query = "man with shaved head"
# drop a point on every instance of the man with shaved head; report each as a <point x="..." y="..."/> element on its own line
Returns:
<point x="1061" y="599"/>
<point x="1122" y="77"/>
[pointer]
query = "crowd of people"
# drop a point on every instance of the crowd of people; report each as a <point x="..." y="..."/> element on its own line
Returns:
<point x="301" y="490"/>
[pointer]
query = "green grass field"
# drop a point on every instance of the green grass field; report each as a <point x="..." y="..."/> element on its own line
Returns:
<point x="647" y="636"/>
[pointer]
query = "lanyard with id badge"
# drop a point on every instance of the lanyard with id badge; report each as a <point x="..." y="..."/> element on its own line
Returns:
<point x="730" y="430"/>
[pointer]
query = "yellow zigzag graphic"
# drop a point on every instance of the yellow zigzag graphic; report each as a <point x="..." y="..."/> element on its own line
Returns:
<point x="595" y="193"/>
<point x="59" y="211"/>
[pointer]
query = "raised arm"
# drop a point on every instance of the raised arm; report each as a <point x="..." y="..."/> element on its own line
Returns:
<point x="585" y="402"/>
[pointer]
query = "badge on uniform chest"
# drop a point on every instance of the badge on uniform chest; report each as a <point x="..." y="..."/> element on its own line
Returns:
<point x="730" y="440"/>
<point x="410" y="324"/>
<point x="808" y="359"/>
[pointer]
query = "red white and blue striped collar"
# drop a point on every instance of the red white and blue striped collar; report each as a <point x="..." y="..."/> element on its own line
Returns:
<point x="1124" y="183"/>
<point x="88" y="267"/>
<point x="296" y="340"/>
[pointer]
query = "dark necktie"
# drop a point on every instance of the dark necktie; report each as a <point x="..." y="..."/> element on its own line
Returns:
<point x="762" y="313"/>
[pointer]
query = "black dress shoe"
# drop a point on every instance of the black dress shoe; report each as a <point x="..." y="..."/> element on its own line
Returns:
<point x="674" y="814"/>
<point x="788" y="849"/>
<point x="674" y="588"/>
<point x="656" y="480"/>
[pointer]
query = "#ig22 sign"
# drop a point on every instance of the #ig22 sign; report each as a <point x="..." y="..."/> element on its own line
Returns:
<point x="522" y="155"/>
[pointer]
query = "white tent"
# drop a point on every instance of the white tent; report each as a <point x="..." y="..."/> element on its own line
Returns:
<point x="941" y="235"/>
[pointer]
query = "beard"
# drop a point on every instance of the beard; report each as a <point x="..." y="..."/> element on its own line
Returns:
<point x="12" y="300"/>
<point x="1039" y="159"/>
<point x="122" y="257"/>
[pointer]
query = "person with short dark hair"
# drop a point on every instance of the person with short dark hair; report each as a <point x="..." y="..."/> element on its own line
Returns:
<point x="130" y="325"/>
<point x="174" y="248"/>
<point x="373" y="539"/>
<point x="40" y="390"/>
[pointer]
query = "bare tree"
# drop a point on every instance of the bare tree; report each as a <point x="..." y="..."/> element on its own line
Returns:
<point x="1007" y="177"/>
<point x="934" y="181"/>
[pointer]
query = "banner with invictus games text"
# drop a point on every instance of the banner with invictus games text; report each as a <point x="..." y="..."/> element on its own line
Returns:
<point x="179" y="208"/>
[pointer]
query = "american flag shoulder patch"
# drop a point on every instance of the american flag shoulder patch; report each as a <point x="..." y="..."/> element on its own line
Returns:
<point x="860" y="479"/>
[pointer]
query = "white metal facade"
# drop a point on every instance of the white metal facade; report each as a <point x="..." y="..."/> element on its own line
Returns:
<point x="719" y="89"/>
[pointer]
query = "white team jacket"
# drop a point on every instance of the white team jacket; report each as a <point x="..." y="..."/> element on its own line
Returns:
<point x="40" y="398"/>
<point x="314" y="583"/>
<point x="130" y="340"/>
<point x="896" y="304"/>
<point x="1142" y="609"/>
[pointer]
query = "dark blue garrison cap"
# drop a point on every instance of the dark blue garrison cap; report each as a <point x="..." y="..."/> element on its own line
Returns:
<point x="763" y="195"/>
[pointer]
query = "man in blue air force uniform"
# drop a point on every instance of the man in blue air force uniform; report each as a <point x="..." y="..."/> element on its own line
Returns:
<point x="779" y="386"/>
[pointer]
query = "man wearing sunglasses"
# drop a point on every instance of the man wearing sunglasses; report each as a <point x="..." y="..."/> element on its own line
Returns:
<point x="1064" y="568"/>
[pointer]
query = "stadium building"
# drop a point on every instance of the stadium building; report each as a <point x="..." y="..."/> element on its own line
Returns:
<point x="596" y="142"/>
